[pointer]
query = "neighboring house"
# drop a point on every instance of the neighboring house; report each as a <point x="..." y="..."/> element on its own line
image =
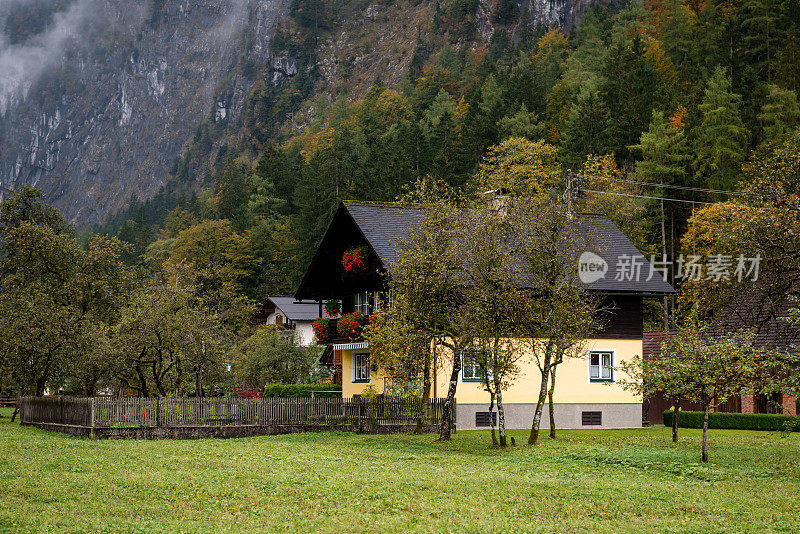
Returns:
<point x="587" y="393"/>
<point x="760" y="307"/>
<point x="293" y="318"/>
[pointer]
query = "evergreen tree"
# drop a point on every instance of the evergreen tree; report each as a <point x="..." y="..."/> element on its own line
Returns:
<point x="234" y="193"/>
<point x="665" y="153"/>
<point x="628" y="93"/>
<point x="780" y="114"/>
<point x="587" y="130"/>
<point x="721" y="137"/>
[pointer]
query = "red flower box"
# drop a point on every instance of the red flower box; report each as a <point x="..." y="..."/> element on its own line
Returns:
<point x="322" y="330"/>
<point x="351" y="325"/>
<point x="355" y="261"/>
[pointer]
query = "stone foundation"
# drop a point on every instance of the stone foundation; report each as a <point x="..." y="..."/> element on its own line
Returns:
<point x="520" y="416"/>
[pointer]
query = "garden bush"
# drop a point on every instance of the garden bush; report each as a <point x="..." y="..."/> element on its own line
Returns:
<point x="301" y="390"/>
<point x="734" y="421"/>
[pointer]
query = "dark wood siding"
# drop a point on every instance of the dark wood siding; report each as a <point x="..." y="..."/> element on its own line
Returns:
<point x="621" y="318"/>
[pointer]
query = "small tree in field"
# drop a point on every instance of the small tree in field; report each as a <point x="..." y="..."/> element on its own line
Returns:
<point x="710" y="370"/>
<point x="495" y="297"/>
<point x="557" y="313"/>
<point x="653" y="377"/>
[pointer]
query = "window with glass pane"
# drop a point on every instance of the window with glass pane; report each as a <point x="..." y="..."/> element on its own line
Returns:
<point x="363" y="303"/>
<point x="601" y="366"/>
<point x="361" y="367"/>
<point x="470" y="371"/>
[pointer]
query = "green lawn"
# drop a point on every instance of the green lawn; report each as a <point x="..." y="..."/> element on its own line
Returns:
<point x="633" y="480"/>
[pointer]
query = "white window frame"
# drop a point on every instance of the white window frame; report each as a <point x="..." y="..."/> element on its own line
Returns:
<point x="362" y="303"/>
<point x="475" y="375"/>
<point x="361" y="371"/>
<point x="601" y="365"/>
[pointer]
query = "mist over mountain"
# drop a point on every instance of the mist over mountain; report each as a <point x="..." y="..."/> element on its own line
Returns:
<point x="99" y="97"/>
<point x="99" y="101"/>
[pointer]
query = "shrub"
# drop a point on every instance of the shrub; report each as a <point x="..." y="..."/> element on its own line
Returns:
<point x="351" y="325"/>
<point x="301" y="390"/>
<point x="734" y="421"/>
<point x="267" y="357"/>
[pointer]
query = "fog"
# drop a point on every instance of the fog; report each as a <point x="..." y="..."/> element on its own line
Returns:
<point x="23" y="63"/>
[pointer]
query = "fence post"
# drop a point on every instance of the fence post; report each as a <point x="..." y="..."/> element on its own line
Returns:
<point x="158" y="411"/>
<point x="92" y="412"/>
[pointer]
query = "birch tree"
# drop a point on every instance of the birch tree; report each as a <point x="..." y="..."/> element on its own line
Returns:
<point x="426" y="295"/>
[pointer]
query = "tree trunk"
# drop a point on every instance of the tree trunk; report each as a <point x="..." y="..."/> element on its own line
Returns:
<point x="143" y="389"/>
<point x="446" y="424"/>
<point x="537" y="415"/>
<point x="550" y="403"/>
<point x="41" y="383"/>
<point x="706" y="409"/>
<point x="491" y="420"/>
<point x="422" y="415"/>
<point x="675" y="412"/>
<point x="501" y="418"/>
<point x="198" y="382"/>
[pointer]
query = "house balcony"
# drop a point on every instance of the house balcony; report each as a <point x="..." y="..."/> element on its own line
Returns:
<point x="349" y="328"/>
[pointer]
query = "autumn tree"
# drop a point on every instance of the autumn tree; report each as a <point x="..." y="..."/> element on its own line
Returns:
<point x="711" y="368"/>
<point x="558" y="314"/>
<point x="167" y="339"/>
<point x="494" y="300"/>
<point x="426" y="296"/>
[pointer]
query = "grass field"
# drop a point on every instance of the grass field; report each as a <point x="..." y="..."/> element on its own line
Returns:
<point x="632" y="480"/>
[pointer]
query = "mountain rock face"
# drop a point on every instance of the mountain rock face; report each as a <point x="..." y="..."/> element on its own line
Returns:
<point x="99" y="97"/>
<point x="97" y="106"/>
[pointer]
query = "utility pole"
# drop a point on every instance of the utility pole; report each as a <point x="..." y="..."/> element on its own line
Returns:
<point x="664" y="251"/>
<point x="568" y="193"/>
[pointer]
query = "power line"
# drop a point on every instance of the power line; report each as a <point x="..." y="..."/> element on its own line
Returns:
<point x="645" y="196"/>
<point x="680" y="200"/>
<point x="668" y="186"/>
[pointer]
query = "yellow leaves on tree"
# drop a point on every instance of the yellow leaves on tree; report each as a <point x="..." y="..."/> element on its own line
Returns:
<point x="520" y="165"/>
<point x="216" y="252"/>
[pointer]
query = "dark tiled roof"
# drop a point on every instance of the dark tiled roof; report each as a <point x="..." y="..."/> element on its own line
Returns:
<point x="385" y="226"/>
<point x="296" y="311"/>
<point x="762" y="306"/>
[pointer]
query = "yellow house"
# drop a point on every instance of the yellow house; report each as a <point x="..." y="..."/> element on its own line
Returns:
<point x="587" y="392"/>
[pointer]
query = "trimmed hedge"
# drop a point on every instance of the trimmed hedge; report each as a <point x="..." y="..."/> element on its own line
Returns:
<point x="734" y="421"/>
<point x="301" y="390"/>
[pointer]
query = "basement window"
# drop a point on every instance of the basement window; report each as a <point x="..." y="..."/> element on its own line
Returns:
<point x="591" y="418"/>
<point x="484" y="418"/>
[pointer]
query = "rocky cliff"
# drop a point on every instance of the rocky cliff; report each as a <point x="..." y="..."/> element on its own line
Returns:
<point x="99" y="97"/>
<point x="124" y="87"/>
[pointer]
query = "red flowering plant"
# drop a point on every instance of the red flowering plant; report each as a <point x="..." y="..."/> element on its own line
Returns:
<point x="354" y="261"/>
<point x="351" y="325"/>
<point x="333" y="307"/>
<point x="322" y="330"/>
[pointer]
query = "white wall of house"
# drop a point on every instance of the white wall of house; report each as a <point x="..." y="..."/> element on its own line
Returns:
<point x="303" y="333"/>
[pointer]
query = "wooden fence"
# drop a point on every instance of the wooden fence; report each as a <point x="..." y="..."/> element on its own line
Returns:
<point x="113" y="412"/>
